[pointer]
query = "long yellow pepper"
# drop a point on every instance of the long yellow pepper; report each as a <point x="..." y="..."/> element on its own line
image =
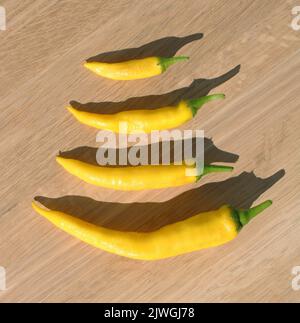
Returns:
<point x="134" y="69"/>
<point x="202" y="231"/>
<point x="135" y="121"/>
<point x="135" y="178"/>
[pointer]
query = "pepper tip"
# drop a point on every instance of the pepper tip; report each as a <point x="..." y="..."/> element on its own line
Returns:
<point x="87" y="65"/>
<point x="35" y="206"/>
<point x="59" y="159"/>
<point x="70" y="109"/>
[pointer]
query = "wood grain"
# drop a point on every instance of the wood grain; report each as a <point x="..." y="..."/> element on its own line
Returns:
<point x="41" y="71"/>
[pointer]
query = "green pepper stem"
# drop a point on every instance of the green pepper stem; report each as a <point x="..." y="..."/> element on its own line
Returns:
<point x="196" y="104"/>
<point x="214" y="169"/>
<point x="166" y="62"/>
<point x="245" y="216"/>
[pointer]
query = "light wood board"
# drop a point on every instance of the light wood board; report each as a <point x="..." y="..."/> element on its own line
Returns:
<point x="41" y="57"/>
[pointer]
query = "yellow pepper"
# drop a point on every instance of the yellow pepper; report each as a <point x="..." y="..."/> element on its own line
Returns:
<point x="135" y="121"/>
<point x="202" y="231"/>
<point x="135" y="178"/>
<point x="134" y="69"/>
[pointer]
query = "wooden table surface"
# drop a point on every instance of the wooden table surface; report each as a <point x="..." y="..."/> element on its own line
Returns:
<point x="246" y="49"/>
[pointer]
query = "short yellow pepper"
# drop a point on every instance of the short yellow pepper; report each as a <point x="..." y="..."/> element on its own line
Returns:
<point x="134" y="69"/>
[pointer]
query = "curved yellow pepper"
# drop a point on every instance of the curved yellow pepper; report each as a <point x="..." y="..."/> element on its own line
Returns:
<point x="135" y="178"/>
<point x="202" y="231"/>
<point x="134" y="69"/>
<point x="135" y="121"/>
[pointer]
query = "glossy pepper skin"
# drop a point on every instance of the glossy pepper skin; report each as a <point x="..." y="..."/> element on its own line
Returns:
<point x="134" y="69"/>
<point x="205" y="230"/>
<point x="135" y="178"/>
<point x="145" y="121"/>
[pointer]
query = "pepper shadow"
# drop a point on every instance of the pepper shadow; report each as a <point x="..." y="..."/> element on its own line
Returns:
<point x="212" y="153"/>
<point x="240" y="192"/>
<point x="198" y="88"/>
<point x="164" y="47"/>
